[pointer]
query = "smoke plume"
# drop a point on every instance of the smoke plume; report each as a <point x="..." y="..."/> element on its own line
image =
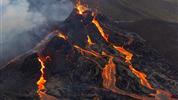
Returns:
<point x="23" y="22"/>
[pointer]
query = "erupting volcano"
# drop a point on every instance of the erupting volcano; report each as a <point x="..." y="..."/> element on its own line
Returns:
<point x="90" y="57"/>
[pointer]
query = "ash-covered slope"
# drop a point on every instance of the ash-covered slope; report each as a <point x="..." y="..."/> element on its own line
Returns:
<point x="91" y="58"/>
<point x="161" y="35"/>
<point x="129" y="10"/>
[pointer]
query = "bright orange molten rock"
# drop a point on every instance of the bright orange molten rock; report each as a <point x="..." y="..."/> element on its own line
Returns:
<point x="41" y="82"/>
<point x="81" y="8"/>
<point x="89" y="40"/>
<point x="100" y="29"/>
<point x="61" y="35"/>
<point x="109" y="70"/>
<point x="128" y="55"/>
<point x="142" y="76"/>
<point x="108" y="74"/>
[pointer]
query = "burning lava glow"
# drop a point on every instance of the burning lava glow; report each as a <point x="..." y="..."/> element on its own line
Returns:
<point x="89" y="40"/>
<point x="139" y="74"/>
<point x="61" y="35"/>
<point x="81" y="8"/>
<point x="41" y="82"/>
<point x="128" y="55"/>
<point x="105" y="36"/>
<point x="108" y="74"/>
<point x="109" y="70"/>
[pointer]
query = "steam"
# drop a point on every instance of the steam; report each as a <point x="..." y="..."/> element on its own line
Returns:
<point x="53" y="10"/>
<point x="19" y="19"/>
<point x="16" y="19"/>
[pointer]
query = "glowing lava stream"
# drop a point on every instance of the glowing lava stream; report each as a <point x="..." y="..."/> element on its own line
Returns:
<point x="81" y="8"/>
<point x="109" y="81"/>
<point x="128" y="55"/>
<point x="89" y="40"/>
<point x="109" y="71"/>
<point x="61" y="35"/>
<point x="108" y="74"/>
<point x="41" y="82"/>
<point x="86" y="51"/>
<point x="100" y="29"/>
<point x="142" y="76"/>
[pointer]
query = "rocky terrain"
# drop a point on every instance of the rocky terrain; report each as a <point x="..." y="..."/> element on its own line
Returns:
<point x="154" y="20"/>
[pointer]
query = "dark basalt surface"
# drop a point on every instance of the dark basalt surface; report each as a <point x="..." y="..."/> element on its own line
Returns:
<point x="161" y="35"/>
<point x="73" y="76"/>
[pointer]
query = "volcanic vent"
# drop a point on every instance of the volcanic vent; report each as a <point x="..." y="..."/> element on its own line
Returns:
<point x="89" y="57"/>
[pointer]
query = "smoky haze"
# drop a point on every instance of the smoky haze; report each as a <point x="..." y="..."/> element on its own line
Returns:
<point x="25" y="22"/>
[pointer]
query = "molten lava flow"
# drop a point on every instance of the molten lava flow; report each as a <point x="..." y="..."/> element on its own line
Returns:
<point x="139" y="74"/>
<point x="41" y="82"/>
<point x="108" y="74"/>
<point x="125" y="52"/>
<point x="128" y="55"/>
<point x="89" y="40"/>
<point x="87" y="51"/>
<point x="142" y="76"/>
<point x="100" y="29"/>
<point x="62" y="36"/>
<point x="81" y="8"/>
<point x="109" y="81"/>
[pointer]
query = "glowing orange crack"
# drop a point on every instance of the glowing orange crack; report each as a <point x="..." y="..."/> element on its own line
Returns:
<point x="128" y="55"/>
<point x="41" y="82"/>
<point x="86" y="51"/>
<point x="108" y="74"/>
<point x="100" y="29"/>
<point x="142" y="76"/>
<point x="109" y="81"/>
<point x="61" y="35"/>
<point x="89" y="40"/>
<point x="125" y="52"/>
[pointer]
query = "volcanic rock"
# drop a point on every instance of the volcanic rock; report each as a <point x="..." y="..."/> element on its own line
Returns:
<point x="74" y="68"/>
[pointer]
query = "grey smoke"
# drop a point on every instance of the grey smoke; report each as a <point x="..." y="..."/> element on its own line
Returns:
<point x="54" y="10"/>
<point x="25" y="22"/>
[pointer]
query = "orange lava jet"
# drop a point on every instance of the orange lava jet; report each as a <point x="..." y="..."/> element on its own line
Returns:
<point x="80" y="7"/>
<point x="41" y="82"/>
<point x="61" y="35"/>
